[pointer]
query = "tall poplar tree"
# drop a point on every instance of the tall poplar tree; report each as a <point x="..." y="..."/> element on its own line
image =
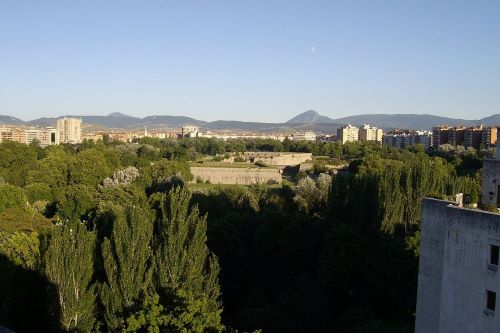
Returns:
<point x="186" y="273"/>
<point x="127" y="263"/>
<point x="67" y="261"/>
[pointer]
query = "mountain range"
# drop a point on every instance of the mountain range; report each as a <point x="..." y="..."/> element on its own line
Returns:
<point x="309" y="120"/>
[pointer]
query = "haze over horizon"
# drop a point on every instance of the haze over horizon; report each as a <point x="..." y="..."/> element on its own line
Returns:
<point x="260" y="61"/>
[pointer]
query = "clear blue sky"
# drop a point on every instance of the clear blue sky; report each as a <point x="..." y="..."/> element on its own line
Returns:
<point x="249" y="60"/>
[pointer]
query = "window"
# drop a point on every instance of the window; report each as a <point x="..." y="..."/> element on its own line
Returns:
<point x="491" y="299"/>
<point x="494" y="254"/>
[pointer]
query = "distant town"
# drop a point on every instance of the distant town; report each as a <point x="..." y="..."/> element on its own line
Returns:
<point x="70" y="130"/>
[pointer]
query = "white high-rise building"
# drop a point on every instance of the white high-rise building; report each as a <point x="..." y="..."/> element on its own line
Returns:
<point x="70" y="130"/>
<point x="370" y="133"/>
<point x="348" y="133"/>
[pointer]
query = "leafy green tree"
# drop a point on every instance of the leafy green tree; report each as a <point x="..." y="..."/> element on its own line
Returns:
<point x="16" y="160"/>
<point x="127" y="263"/>
<point x="21" y="248"/>
<point x="53" y="169"/>
<point x="186" y="273"/>
<point x="312" y="195"/>
<point x="76" y="201"/>
<point x="12" y="197"/>
<point x="40" y="191"/>
<point x="151" y="318"/>
<point x="91" y="166"/>
<point x="163" y="174"/>
<point x="68" y="262"/>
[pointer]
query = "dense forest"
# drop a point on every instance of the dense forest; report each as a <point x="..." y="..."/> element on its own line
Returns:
<point x="110" y="237"/>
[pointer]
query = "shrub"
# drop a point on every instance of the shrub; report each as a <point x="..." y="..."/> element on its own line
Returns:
<point x="260" y="164"/>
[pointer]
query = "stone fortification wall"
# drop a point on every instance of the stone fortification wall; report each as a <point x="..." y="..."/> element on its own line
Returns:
<point x="271" y="158"/>
<point x="242" y="176"/>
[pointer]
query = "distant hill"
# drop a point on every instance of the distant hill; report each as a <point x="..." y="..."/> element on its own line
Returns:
<point x="241" y="125"/>
<point x="120" y="120"/>
<point x="171" y="121"/>
<point x="492" y="120"/>
<point x="310" y="117"/>
<point x="8" y="120"/>
<point x="415" y="121"/>
<point x="306" y="121"/>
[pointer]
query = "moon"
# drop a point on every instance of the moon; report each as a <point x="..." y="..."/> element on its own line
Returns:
<point x="313" y="49"/>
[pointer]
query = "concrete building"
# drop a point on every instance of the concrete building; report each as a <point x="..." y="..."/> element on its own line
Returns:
<point x="231" y="136"/>
<point x="348" y="133"/>
<point x="370" y="133"/>
<point x="70" y="130"/>
<point x="277" y="159"/>
<point x="304" y="136"/>
<point x="190" y="131"/>
<point x="458" y="279"/>
<point x="12" y="133"/>
<point x="456" y="136"/>
<point x="407" y="139"/>
<point x="45" y="136"/>
<point x="473" y="136"/>
<point x="93" y="136"/>
<point x="440" y="135"/>
<point x="119" y="136"/>
<point x="489" y="136"/>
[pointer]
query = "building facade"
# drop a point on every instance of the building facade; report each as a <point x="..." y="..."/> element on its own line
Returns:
<point x="407" y="139"/>
<point x="70" y="130"/>
<point x="190" y="131"/>
<point x="10" y="133"/>
<point x="489" y="136"/>
<point x="348" y="133"/>
<point x="304" y="136"/>
<point x="456" y="136"/>
<point x="440" y="135"/>
<point x="47" y="136"/>
<point x="473" y="136"/>
<point x="370" y="133"/>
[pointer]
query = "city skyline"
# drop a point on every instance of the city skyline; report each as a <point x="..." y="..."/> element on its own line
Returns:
<point x="264" y="61"/>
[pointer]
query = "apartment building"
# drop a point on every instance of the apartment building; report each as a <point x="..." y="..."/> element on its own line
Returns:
<point x="440" y="135"/>
<point x="407" y="139"/>
<point x="190" y="131"/>
<point x="94" y="136"/>
<point x="70" y="130"/>
<point x="456" y="136"/>
<point x="370" y="133"/>
<point x="11" y="133"/>
<point x="348" y="133"/>
<point x="47" y="136"/>
<point x="473" y="136"/>
<point x="304" y="136"/>
<point x="489" y="136"/>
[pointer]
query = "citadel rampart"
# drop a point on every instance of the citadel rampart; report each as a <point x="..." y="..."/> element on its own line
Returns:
<point x="242" y="176"/>
<point x="283" y="159"/>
